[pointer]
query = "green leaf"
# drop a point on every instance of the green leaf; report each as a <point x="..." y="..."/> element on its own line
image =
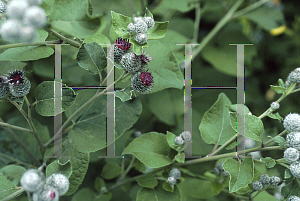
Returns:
<point x="98" y="38"/>
<point x="241" y="174"/>
<point x="253" y="125"/>
<point x="167" y="105"/>
<point x="44" y="95"/>
<point x="89" y="131"/>
<point x="9" y="65"/>
<point x="280" y="140"/>
<point x="91" y="57"/>
<point x="13" y="173"/>
<point x="215" y="125"/>
<point x="197" y="188"/>
<point x="275" y="116"/>
<point x="99" y="184"/>
<point x="171" y="140"/>
<point x="151" y="149"/>
<point x="28" y="53"/>
<point x="163" y="67"/>
<point x="158" y="194"/>
<point x="69" y="16"/>
<point x="266" y="16"/>
<point x="88" y="194"/>
<point x="137" y="48"/>
<point x="278" y="89"/>
<point x="120" y="23"/>
<point x="180" y="158"/>
<point x="55" y="167"/>
<point x="148" y="181"/>
<point x="79" y="163"/>
<point x="181" y="6"/>
<point x="292" y="188"/>
<point x="111" y="170"/>
<point x="158" y="31"/>
<point x="148" y="13"/>
<point x="44" y="67"/>
<point x="287" y="174"/>
<point x="233" y="108"/>
<point x="269" y="162"/>
<point x="168" y="187"/>
<point x="264" y="195"/>
<point x="124" y="95"/>
<point x="6" y="187"/>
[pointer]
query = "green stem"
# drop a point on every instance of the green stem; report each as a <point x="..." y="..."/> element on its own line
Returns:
<point x="227" y="155"/>
<point x="16" y="127"/>
<point x="235" y="195"/>
<point x="61" y="37"/>
<point x="17" y="160"/>
<point x="217" y="28"/>
<point x="29" y="120"/>
<point x="224" y="145"/>
<point x="197" y="22"/>
<point x="127" y="169"/>
<point x="271" y="140"/>
<point x="19" y="142"/>
<point x="13" y="195"/>
<point x="97" y="95"/>
<point x="27" y="44"/>
<point x="249" y="8"/>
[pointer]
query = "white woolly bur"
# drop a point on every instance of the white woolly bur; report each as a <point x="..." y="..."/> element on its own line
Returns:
<point x="150" y="22"/>
<point x="16" y="9"/>
<point x="2" y="7"/>
<point x="171" y="181"/>
<point x="141" y="38"/>
<point x="295" y="169"/>
<point x="35" y="2"/>
<point x="179" y="140"/>
<point x="28" y="34"/>
<point x="60" y="182"/>
<point x="140" y="27"/>
<point x="32" y="180"/>
<point x="48" y="193"/>
<point x="35" y="16"/>
<point x="293" y="139"/>
<point x="10" y="30"/>
<point x="292" y="122"/>
<point x="175" y="173"/>
<point x="291" y="155"/>
<point x="293" y="198"/>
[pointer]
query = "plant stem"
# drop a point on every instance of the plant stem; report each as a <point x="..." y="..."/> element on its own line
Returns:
<point x="17" y="160"/>
<point x="227" y="155"/>
<point x="217" y="28"/>
<point x="16" y="127"/>
<point x="224" y="145"/>
<point x="28" y="44"/>
<point x="249" y="8"/>
<point x="97" y="95"/>
<point x="281" y="134"/>
<point x="127" y="169"/>
<point x="19" y="142"/>
<point x="197" y="21"/>
<point x="234" y="194"/>
<point x="29" y="120"/>
<point x="61" y="37"/>
<point x="13" y="195"/>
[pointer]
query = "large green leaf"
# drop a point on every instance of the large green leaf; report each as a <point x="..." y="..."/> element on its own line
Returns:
<point x="158" y="194"/>
<point x="241" y="174"/>
<point x="13" y="173"/>
<point x="44" y="94"/>
<point x="163" y="67"/>
<point x="215" y="125"/>
<point x="55" y="167"/>
<point x="28" y="53"/>
<point x="89" y="131"/>
<point x="6" y="187"/>
<point x="120" y="23"/>
<point x="69" y="16"/>
<point x="152" y="149"/>
<point x="91" y="57"/>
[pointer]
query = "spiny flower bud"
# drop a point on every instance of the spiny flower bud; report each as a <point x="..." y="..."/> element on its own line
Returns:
<point x="179" y="140"/>
<point x="136" y="19"/>
<point x="48" y="193"/>
<point x="186" y="136"/>
<point x="275" y="105"/>
<point x="265" y="179"/>
<point x="141" y="38"/>
<point x="291" y="154"/>
<point x="295" y="169"/>
<point x="293" y="198"/>
<point x="142" y="82"/>
<point x="292" y="122"/>
<point x="175" y="173"/>
<point x="131" y="62"/>
<point x="275" y="181"/>
<point x="32" y="180"/>
<point x="131" y="28"/>
<point x="145" y="58"/>
<point x="28" y="34"/>
<point x="119" y="49"/>
<point x="2" y="7"/>
<point x="59" y="182"/>
<point x="35" y="2"/>
<point x="150" y="22"/>
<point x="293" y="139"/>
<point x="19" y="85"/>
<point x="10" y="30"/>
<point x="16" y="9"/>
<point x="257" y="185"/>
<point x="4" y="90"/>
<point x="35" y="16"/>
<point x="140" y="27"/>
<point x="171" y="181"/>
<point x="294" y="76"/>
